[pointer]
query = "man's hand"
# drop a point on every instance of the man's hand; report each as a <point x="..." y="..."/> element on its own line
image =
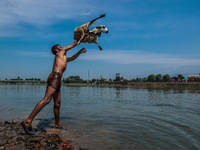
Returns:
<point x="76" y="42"/>
<point x="66" y="48"/>
<point x="83" y="50"/>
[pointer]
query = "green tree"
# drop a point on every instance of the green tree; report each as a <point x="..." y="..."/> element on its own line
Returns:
<point x="73" y="79"/>
<point x="151" y="78"/>
<point x="166" y="78"/>
<point x="103" y="80"/>
<point x="133" y="80"/>
<point x="158" y="77"/>
<point x="18" y="78"/>
<point x="181" y="76"/>
<point x="94" y="80"/>
<point x="144" y="79"/>
<point x="117" y="78"/>
<point x="138" y="79"/>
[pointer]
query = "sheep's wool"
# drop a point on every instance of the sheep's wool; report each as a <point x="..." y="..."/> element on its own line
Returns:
<point x="79" y="30"/>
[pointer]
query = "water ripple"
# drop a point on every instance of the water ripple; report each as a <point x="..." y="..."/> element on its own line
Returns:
<point x="113" y="118"/>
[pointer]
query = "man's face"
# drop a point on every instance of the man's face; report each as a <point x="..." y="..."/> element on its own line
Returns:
<point x="59" y="47"/>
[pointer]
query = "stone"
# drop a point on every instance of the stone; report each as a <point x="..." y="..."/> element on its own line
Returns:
<point x="6" y="122"/>
<point x="1" y="124"/>
<point x="35" y="140"/>
<point x="12" y="136"/>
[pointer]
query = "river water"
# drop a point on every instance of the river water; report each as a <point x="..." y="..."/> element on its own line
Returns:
<point x="117" y="118"/>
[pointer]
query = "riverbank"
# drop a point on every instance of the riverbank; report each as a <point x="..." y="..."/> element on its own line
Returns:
<point x="190" y="85"/>
<point x="115" y="118"/>
<point x="12" y="136"/>
<point x="153" y="85"/>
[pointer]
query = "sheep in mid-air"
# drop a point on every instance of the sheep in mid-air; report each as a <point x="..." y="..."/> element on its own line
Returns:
<point x="83" y="35"/>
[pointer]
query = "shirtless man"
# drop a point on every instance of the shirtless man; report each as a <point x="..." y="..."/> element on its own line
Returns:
<point x="53" y="85"/>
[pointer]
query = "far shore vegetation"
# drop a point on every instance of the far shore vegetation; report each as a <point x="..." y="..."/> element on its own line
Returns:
<point x="151" y="80"/>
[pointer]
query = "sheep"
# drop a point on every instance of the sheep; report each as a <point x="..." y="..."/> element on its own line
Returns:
<point x="83" y="35"/>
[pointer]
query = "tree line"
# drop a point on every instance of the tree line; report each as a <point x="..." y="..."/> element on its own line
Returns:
<point x="150" y="78"/>
<point x="162" y="78"/>
<point x="77" y="79"/>
<point x="30" y="79"/>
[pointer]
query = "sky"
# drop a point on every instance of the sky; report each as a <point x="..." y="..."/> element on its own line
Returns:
<point x="145" y="37"/>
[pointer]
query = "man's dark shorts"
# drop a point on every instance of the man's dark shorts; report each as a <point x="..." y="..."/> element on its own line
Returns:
<point x="54" y="80"/>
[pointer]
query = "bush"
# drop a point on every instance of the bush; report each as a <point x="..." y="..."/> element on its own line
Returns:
<point x="151" y="78"/>
<point x="166" y="78"/>
<point x="73" y="79"/>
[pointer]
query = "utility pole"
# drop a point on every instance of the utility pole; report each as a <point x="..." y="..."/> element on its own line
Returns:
<point x="88" y="76"/>
<point x="101" y="77"/>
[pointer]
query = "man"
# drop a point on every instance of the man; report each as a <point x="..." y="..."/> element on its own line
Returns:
<point x="53" y="85"/>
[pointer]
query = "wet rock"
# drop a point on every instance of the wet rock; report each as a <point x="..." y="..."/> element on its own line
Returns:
<point x="35" y="140"/>
<point x="6" y="123"/>
<point x="2" y="147"/>
<point x="43" y="130"/>
<point x="1" y="124"/>
<point x="21" y="140"/>
<point x="12" y="136"/>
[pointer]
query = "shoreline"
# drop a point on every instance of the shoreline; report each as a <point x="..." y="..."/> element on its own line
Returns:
<point x="192" y="85"/>
<point x="13" y="136"/>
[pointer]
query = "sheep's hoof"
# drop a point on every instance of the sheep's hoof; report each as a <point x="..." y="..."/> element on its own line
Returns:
<point x="103" y="15"/>
<point x="100" y="48"/>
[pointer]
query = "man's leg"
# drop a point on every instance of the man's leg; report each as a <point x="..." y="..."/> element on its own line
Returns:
<point x="47" y="98"/>
<point x="57" y="103"/>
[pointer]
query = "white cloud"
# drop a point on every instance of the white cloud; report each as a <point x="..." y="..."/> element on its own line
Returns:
<point x="40" y="11"/>
<point x="129" y="57"/>
<point x="33" y="54"/>
<point x="15" y="14"/>
<point x="140" y="57"/>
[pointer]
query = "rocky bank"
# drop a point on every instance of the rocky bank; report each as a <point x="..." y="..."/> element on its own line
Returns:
<point x="13" y="137"/>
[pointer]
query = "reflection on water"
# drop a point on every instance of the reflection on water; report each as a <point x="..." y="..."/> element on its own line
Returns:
<point x="113" y="118"/>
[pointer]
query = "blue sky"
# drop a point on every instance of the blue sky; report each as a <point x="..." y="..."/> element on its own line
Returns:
<point x="145" y="37"/>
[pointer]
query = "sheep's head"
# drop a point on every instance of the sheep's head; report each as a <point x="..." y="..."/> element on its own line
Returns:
<point x="102" y="28"/>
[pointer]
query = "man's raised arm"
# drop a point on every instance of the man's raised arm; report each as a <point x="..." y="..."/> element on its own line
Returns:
<point x="66" y="48"/>
<point x="83" y="50"/>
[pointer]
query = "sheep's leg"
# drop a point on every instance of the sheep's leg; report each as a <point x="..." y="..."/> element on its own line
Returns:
<point x="91" y="22"/>
<point x="82" y="36"/>
<point x="98" y="45"/>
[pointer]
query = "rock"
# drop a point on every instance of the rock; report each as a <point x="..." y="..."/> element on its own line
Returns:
<point x="21" y="140"/>
<point x="43" y="130"/>
<point x="12" y="136"/>
<point x="1" y="124"/>
<point x="2" y="147"/>
<point x="6" y="122"/>
<point x="29" y="147"/>
<point x="35" y="140"/>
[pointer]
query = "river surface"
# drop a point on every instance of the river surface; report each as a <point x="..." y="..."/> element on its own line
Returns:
<point x="120" y="118"/>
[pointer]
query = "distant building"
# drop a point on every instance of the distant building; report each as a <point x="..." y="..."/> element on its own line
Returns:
<point x="117" y="77"/>
<point x="175" y="79"/>
<point x="194" y="78"/>
<point x="184" y="80"/>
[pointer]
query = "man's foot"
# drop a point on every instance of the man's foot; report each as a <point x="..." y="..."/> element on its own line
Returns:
<point x="58" y="127"/>
<point x="28" y="130"/>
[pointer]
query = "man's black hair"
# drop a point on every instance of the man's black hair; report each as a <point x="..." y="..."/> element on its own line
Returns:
<point x="53" y="49"/>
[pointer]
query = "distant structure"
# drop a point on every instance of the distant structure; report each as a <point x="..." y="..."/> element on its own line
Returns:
<point x="101" y="77"/>
<point x="194" y="78"/>
<point x="175" y="79"/>
<point x="88" y="76"/>
<point x="117" y="77"/>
